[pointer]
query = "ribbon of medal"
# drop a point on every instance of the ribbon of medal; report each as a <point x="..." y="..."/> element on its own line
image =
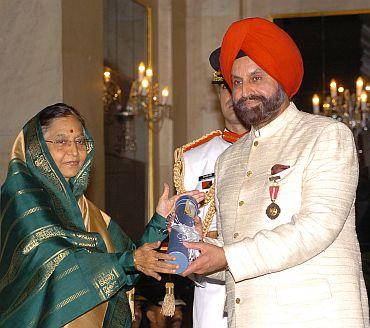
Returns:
<point x="273" y="210"/>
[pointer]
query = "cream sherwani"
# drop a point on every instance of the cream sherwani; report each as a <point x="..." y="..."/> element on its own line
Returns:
<point x="209" y="300"/>
<point x="302" y="269"/>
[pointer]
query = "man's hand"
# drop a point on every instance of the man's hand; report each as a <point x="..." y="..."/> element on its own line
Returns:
<point x="212" y="258"/>
<point x="150" y="262"/>
<point x="198" y="226"/>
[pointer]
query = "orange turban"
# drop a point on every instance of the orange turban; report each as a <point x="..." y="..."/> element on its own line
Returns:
<point x="268" y="46"/>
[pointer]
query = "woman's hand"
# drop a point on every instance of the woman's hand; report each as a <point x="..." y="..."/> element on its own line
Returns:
<point x="150" y="262"/>
<point x="166" y="204"/>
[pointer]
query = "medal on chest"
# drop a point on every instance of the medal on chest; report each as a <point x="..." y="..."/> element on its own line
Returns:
<point x="273" y="210"/>
<point x="205" y="182"/>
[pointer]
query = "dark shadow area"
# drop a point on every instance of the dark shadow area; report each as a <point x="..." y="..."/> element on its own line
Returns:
<point x="332" y="47"/>
<point x="338" y="47"/>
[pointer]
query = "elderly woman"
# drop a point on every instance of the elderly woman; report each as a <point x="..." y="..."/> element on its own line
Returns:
<point x="64" y="262"/>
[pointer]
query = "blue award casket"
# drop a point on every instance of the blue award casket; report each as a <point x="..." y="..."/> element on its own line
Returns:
<point x="186" y="208"/>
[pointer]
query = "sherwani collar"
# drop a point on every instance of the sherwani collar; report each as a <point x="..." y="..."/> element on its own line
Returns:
<point x="278" y="124"/>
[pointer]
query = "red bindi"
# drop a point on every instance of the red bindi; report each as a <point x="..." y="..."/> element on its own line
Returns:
<point x="71" y="131"/>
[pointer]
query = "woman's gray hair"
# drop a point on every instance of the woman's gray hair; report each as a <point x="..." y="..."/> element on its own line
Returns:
<point x="58" y="110"/>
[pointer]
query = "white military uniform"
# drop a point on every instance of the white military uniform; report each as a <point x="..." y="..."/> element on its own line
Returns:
<point x="198" y="165"/>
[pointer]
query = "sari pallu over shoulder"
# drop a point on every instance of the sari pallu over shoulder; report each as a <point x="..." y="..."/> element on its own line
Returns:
<point x="51" y="269"/>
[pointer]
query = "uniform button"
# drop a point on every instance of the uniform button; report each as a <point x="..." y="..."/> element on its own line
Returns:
<point x="237" y="301"/>
<point x="241" y="203"/>
<point x="249" y="174"/>
<point x="255" y="143"/>
<point x="236" y="235"/>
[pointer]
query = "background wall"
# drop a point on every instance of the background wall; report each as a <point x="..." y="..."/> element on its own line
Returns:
<point x="198" y="27"/>
<point x="31" y="65"/>
<point x="51" y="51"/>
<point x="82" y="46"/>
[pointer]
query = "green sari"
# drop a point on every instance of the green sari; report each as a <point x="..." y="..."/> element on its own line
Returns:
<point x="52" y="269"/>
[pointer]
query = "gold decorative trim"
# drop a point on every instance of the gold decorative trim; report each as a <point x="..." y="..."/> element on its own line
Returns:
<point x="21" y="171"/>
<point x="39" y="159"/>
<point x="106" y="283"/>
<point x="70" y="299"/>
<point x="201" y="140"/>
<point x="179" y="175"/>
<point x="64" y="274"/>
<point x="31" y="323"/>
<point x="40" y="278"/>
<point x="271" y="17"/>
<point x="83" y="174"/>
<point x="130" y="294"/>
<point x="18" y="193"/>
<point x="179" y="171"/>
<point x="65" y="302"/>
<point x="207" y="220"/>
<point x="42" y="235"/>
<point x="24" y="247"/>
<point x="17" y="160"/>
<point x="85" y="236"/>
<point x="22" y="216"/>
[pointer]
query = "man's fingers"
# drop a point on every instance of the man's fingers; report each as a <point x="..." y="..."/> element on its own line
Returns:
<point x="199" y="246"/>
<point x="190" y="269"/>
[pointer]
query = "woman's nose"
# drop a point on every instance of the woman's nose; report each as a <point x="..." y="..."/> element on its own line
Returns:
<point x="72" y="147"/>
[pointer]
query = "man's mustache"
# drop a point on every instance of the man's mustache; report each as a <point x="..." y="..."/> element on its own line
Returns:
<point x="251" y="97"/>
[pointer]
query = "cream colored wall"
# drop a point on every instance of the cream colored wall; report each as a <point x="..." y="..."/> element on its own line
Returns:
<point x="31" y="65"/>
<point x="51" y="51"/>
<point x="206" y="24"/>
<point x="164" y="64"/>
<point x="82" y="35"/>
<point x="198" y="27"/>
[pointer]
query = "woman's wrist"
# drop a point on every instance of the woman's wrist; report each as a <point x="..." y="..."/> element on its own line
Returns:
<point x="134" y="258"/>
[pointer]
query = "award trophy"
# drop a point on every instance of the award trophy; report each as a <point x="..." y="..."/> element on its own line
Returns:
<point x="183" y="229"/>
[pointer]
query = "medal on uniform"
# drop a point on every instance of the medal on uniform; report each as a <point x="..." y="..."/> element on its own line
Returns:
<point x="273" y="210"/>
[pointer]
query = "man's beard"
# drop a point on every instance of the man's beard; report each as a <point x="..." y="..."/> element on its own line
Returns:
<point x="264" y="112"/>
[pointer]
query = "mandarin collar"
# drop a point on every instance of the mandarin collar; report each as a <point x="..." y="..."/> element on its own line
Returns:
<point x="231" y="136"/>
<point x="277" y="124"/>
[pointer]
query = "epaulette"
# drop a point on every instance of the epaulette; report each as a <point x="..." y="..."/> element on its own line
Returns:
<point x="179" y="173"/>
<point x="202" y="140"/>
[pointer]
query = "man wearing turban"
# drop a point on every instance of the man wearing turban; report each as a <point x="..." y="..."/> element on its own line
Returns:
<point x="285" y="195"/>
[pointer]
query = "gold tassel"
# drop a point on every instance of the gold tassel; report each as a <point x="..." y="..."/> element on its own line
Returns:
<point x="131" y="301"/>
<point x="168" y="306"/>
